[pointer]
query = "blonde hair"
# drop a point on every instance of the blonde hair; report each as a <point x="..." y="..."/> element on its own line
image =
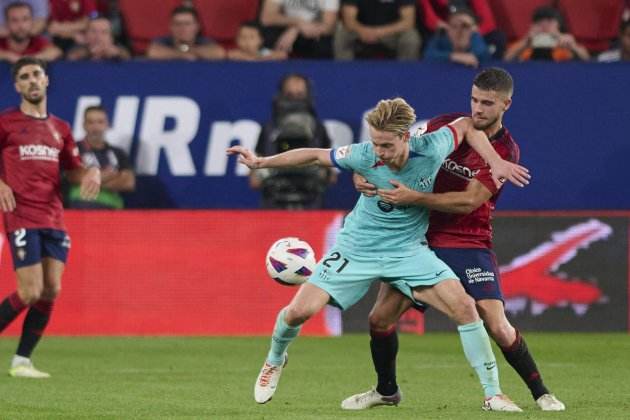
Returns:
<point x="392" y="115"/>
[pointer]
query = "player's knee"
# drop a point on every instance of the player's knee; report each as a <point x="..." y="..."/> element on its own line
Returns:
<point x="379" y="321"/>
<point x="30" y="294"/>
<point x="465" y="310"/>
<point x="51" y="292"/>
<point x="502" y="332"/>
<point x="295" y="316"/>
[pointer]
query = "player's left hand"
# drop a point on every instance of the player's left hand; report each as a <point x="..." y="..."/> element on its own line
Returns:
<point x="399" y="195"/>
<point x="503" y="171"/>
<point x="90" y="184"/>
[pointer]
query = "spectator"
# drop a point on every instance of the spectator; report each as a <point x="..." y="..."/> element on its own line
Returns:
<point x="294" y="124"/>
<point x="39" y="10"/>
<point x="459" y="42"/>
<point x="623" y="52"/>
<point x="68" y="21"/>
<point x="302" y="28"/>
<point x="116" y="172"/>
<point x="435" y="14"/>
<point x="185" y="41"/>
<point x="546" y="40"/>
<point x="99" y="43"/>
<point x="368" y="26"/>
<point x="20" y="41"/>
<point x="249" y="45"/>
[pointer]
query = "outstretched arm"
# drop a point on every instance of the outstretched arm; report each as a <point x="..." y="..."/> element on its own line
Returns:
<point x="296" y="157"/>
<point x="502" y="170"/>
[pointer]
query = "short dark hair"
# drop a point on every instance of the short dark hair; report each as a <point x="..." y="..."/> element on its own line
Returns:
<point x="15" y="5"/>
<point x="462" y="10"/>
<point x="546" y="12"/>
<point x="179" y="10"/>
<point x="92" y="108"/>
<point x="26" y="61"/>
<point x="251" y="24"/>
<point x="494" y="78"/>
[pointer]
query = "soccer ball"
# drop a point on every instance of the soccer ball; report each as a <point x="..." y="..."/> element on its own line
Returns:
<point x="290" y="261"/>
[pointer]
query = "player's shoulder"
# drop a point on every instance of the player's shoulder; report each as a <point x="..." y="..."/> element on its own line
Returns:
<point x="58" y="122"/>
<point x="506" y="145"/>
<point x="440" y="121"/>
<point x="10" y="113"/>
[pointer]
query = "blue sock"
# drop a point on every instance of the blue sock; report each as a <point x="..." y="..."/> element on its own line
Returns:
<point x="282" y="336"/>
<point x="479" y="354"/>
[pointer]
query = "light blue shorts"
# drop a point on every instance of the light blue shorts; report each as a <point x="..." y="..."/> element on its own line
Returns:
<point x="348" y="277"/>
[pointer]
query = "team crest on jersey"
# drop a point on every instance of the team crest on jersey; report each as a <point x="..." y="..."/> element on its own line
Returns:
<point x="342" y="152"/>
<point x="56" y="136"/>
<point x="385" y="207"/>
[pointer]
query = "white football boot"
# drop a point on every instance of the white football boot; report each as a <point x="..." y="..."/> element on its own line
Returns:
<point x="500" y="402"/>
<point x="267" y="381"/>
<point x="549" y="402"/>
<point x="370" y="399"/>
<point x="24" y="369"/>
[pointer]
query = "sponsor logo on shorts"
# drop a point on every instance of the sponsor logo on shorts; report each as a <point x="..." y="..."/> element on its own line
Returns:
<point x="38" y="152"/>
<point x="21" y="254"/>
<point x="478" y="275"/>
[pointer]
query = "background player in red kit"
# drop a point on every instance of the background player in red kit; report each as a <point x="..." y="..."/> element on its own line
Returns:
<point x="34" y="147"/>
<point x="460" y="233"/>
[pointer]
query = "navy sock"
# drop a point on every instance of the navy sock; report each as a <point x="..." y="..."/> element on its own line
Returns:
<point x="519" y="357"/>
<point x="384" y="346"/>
<point x="10" y="308"/>
<point x="34" y="325"/>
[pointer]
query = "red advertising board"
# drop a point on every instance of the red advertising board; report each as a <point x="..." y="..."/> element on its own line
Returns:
<point x="175" y="272"/>
<point x="203" y="273"/>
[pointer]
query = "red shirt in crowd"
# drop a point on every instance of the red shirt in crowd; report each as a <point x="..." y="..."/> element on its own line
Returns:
<point x="70" y="10"/>
<point x="36" y="45"/>
<point x="449" y="230"/>
<point x="435" y="10"/>
<point x="32" y="153"/>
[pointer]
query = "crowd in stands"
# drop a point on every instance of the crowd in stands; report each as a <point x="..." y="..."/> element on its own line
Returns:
<point x="467" y="32"/>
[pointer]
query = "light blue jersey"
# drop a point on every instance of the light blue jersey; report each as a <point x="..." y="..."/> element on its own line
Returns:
<point x="376" y="228"/>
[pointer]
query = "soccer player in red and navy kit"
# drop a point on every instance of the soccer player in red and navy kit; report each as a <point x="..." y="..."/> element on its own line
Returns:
<point x="460" y="233"/>
<point x="34" y="147"/>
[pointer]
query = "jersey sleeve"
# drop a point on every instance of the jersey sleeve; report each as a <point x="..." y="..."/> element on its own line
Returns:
<point x="438" y="144"/>
<point x="69" y="158"/>
<point x="349" y="157"/>
<point x="485" y="176"/>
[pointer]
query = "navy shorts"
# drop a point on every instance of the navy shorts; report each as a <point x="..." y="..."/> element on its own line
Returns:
<point x="29" y="246"/>
<point x="476" y="268"/>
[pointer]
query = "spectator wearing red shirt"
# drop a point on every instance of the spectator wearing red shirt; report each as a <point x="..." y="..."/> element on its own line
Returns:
<point x="435" y="15"/>
<point x="68" y="21"/>
<point x="21" y="42"/>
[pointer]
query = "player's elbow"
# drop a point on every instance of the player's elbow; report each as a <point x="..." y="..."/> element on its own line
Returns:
<point x="468" y="205"/>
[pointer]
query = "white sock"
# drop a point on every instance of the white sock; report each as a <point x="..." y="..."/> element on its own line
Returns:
<point x="20" y="360"/>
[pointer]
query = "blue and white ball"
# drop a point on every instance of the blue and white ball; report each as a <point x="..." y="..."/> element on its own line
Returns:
<point x="290" y="261"/>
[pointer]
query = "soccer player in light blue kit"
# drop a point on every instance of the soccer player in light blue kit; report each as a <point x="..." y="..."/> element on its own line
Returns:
<point x="381" y="241"/>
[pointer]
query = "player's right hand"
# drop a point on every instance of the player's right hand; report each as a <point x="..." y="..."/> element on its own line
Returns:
<point x="364" y="187"/>
<point x="247" y="157"/>
<point x="7" y="200"/>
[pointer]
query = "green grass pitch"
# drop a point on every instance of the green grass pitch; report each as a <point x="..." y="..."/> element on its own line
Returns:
<point x="198" y="378"/>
